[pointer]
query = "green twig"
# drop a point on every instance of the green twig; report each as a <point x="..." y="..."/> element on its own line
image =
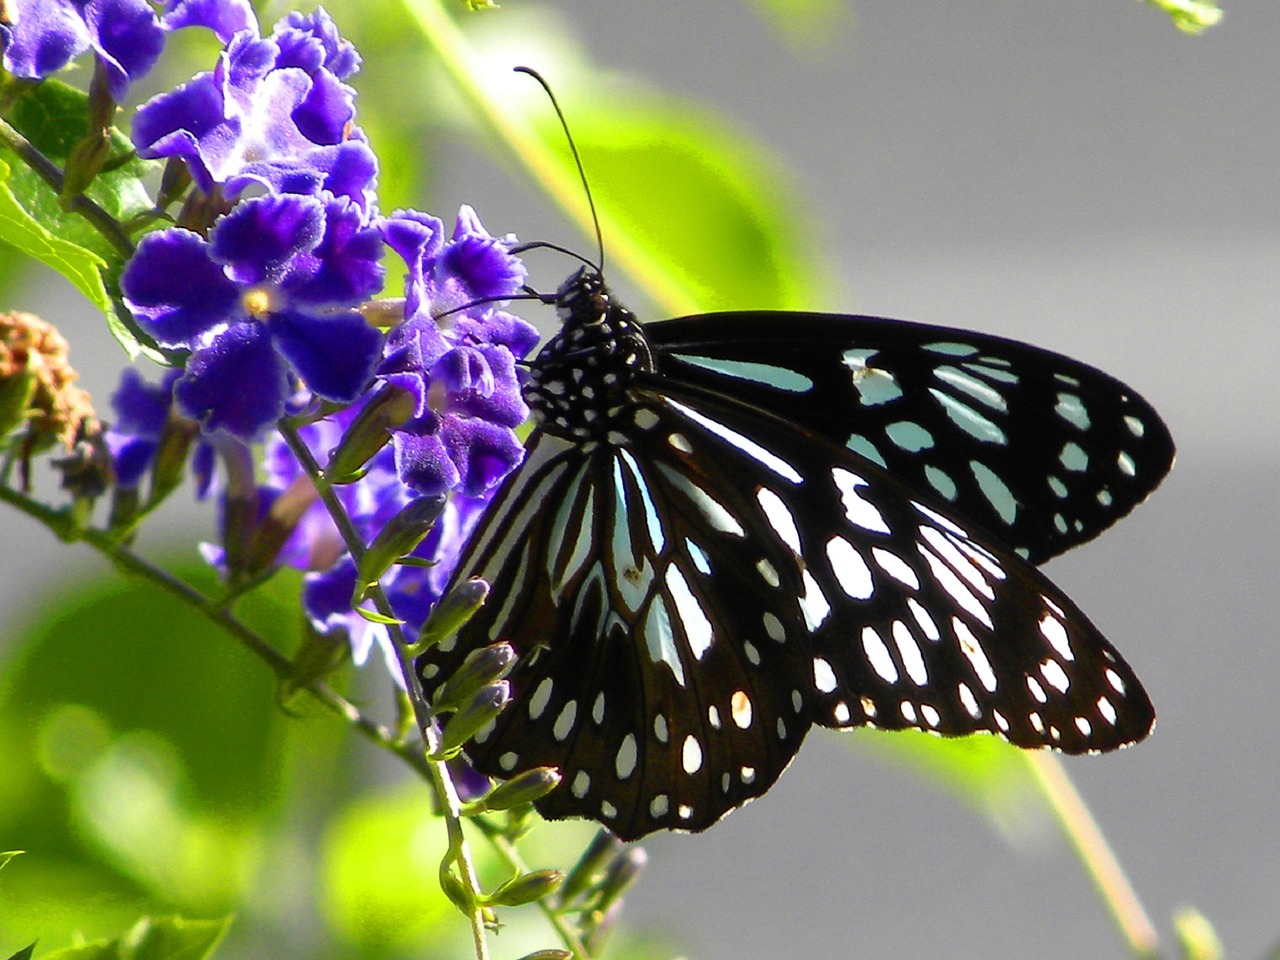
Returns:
<point x="1095" y="853"/>
<point x="52" y="174"/>
<point x="556" y="179"/>
<point x="442" y="782"/>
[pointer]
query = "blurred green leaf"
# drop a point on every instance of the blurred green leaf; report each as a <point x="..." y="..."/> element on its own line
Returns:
<point x="163" y="938"/>
<point x="53" y="116"/>
<point x="380" y="887"/>
<point x="807" y="25"/>
<point x="709" y="204"/>
<point x="25" y="952"/>
<point x="8" y="855"/>
<point x="1197" y="939"/>
<point x="1190" y="16"/>
<point x="142" y="751"/>
<point x="990" y="775"/>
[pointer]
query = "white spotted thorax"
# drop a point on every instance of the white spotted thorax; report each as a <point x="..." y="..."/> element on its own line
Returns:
<point x="730" y="528"/>
<point x="579" y="382"/>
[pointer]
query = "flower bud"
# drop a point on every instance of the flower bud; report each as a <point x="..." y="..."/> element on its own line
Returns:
<point x="622" y="873"/>
<point x="369" y="432"/>
<point x="522" y="789"/>
<point x="397" y="539"/>
<point x="591" y="865"/>
<point x="483" y="707"/>
<point x="526" y="888"/>
<point x="481" y="667"/>
<point x="447" y="617"/>
<point x="551" y="954"/>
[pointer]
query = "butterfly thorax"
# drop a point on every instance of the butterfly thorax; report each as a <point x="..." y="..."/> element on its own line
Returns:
<point x="580" y="383"/>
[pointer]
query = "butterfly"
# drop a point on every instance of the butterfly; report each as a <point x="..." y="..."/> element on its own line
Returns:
<point x="731" y="527"/>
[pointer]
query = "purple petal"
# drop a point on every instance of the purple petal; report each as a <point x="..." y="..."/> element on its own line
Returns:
<point x="237" y="383"/>
<point x="334" y="354"/>
<point x="225" y="18"/>
<point x="328" y="108"/>
<point x="501" y="328"/>
<point x="423" y="462"/>
<point x="484" y="453"/>
<point x="175" y="290"/>
<point x="260" y="238"/>
<point x="127" y="37"/>
<point x="45" y="36"/>
<point x="345" y="267"/>
<point x="312" y="42"/>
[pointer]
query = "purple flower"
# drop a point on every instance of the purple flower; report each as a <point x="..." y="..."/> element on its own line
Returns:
<point x="370" y="503"/>
<point x="225" y="18"/>
<point x="45" y="35"/>
<point x="463" y="377"/>
<point x="142" y="409"/>
<point x="274" y="112"/>
<point x="271" y="294"/>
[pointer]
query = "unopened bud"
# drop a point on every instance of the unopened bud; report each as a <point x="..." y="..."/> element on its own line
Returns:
<point x="482" y="708"/>
<point x="397" y="539"/>
<point x="591" y="865"/>
<point x="526" y="888"/>
<point x="447" y="617"/>
<point x="369" y="432"/>
<point x="522" y="789"/>
<point x="481" y="667"/>
<point x="455" y="891"/>
<point x="622" y="873"/>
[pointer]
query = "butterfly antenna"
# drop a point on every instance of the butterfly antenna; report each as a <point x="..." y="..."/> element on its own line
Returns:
<point x="582" y="174"/>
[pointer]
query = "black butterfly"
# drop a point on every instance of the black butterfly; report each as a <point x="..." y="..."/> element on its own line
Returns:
<point x="730" y="527"/>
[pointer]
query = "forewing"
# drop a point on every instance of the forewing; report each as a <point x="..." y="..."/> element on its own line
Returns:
<point x="1041" y="450"/>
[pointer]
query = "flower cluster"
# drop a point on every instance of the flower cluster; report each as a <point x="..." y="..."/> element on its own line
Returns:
<point x="264" y="284"/>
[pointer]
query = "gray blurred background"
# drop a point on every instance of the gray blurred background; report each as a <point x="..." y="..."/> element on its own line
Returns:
<point x="1079" y="175"/>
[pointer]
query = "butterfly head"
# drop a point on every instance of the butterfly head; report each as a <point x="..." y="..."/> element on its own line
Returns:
<point x="583" y="298"/>
<point x="580" y="382"/>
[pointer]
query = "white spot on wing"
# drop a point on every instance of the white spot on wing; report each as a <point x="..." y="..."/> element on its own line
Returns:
<point x="740" y="709"/>
<point x="813" y="603"/>
<point x="780" y="518"/>
<point x="910" y="653"/>
<point x="624" y="764"/>
<point x="860" y="512"/>
<point x="895" y="567"/>
<point x="744" y="444"/>
<point x="566" y="721"/>
<point x="697" y="627"/>
<point x="878" y="655"/>
<point x="824" y="678"/>
<point x="691" y="755"/>
<point x="976" y="656"/>
<point x="541" y="696"/>
<point x="852" y="572"/>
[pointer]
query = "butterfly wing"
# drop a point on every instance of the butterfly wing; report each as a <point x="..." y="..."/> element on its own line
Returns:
<point x="1041" y="450"/>
<point x="689" y="601"/>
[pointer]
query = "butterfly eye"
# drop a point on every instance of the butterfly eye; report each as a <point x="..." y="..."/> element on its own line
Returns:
<point x="729" y="528"/>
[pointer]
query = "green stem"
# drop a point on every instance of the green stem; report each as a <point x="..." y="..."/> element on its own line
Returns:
<point x="511" y="856"/>
<point x="441" y="781"/>
<point x="52" y="174"/>
<point x="558" y="180"/>
<point x="1095" y="853"/>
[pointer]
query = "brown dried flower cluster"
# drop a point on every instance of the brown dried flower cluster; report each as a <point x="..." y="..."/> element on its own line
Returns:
<point x="34" y="356"/>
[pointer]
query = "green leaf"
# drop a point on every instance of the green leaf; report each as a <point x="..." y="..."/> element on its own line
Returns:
<point x="7" y="855"/>
<point x="53" y="117"/>
<point x="173" y="938"/>
<point x="806" y="24"/>
<point x="709" y="205"/>
<point x="25" y="952"/>
<point x="990" y="775"/>
<point x="163" y="938"/>
<point x="77" y="263"/>
<point x="1190" y="16"/>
